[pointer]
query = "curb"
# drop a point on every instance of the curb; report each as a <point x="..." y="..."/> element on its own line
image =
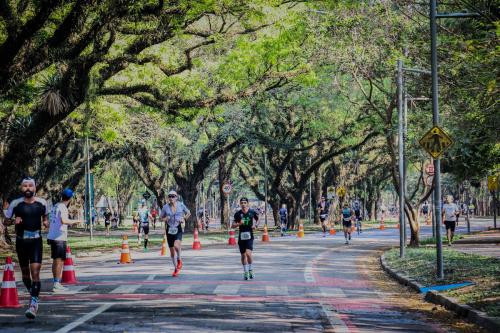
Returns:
<point x="491" y="324"/>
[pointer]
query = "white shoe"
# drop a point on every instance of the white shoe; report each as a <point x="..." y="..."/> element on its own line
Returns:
<point x="32" y="309"/>
<point x="59" y="288"/>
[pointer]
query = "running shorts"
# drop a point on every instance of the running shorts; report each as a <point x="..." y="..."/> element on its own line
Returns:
<point x="347" y="224"/>
<point x="245" y="245"/>
<point x="57" y="249"/>
<point x="450" y="225"/>
<point x="145" y="228"/>
<point x="29" y="251"/>
<point x="172" y="238"/>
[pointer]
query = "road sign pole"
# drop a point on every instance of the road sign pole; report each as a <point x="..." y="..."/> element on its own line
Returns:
<point x="495" y="209"/>
<point x="310" y="195"/>
<point x="265" y="189"/>
<point x="435" y="121"/>
<point x="401" y="161"/>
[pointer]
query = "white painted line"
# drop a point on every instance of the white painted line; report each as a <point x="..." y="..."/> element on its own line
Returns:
<point x="338" y="324"/>
<point x="178" y="289"/>
<point x="83" y="319"/>
<point x="332" y="292"/>
<point x="277" y="290"/>
<point x="74" y="290"/>
<point x="308" y="273"/>
<point x="227" y="289"/>
<point x="126" y="289"/>
<point x="151" y="277"/>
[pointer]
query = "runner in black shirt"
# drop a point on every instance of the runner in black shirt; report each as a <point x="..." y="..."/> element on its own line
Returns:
<point x="30" y="212"/>
<point x="244" y="219"/>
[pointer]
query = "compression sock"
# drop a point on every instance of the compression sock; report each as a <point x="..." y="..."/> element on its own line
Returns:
<point x="35" y="288"/>
<point x="146" y="243"/>
<point x="27" y="284"/>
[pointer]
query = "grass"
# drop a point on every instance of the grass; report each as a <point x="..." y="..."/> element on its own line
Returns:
<point x="420" y="264"/>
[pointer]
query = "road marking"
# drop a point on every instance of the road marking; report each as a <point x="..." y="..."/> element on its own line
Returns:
<point x="74" y="289"/>
<point x="332" y="292"/>
<point x="338" y="324"/>
<point x="277" y="290"/>
<point x="178" y="289"/>
<point x="308" y="273"/>
<point x="126" y="289"/>
<point x="151" y="277"/>
<point x="227" y="289"/>
<point x="83" y="319"/>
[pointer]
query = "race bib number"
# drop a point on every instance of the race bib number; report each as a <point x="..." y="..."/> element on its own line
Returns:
<point x="31" y="234"/>
<point x="245" y="235"/>
<point x="145" y="224"/>
<point x="173" y="231"/>
<point x="323" y="216"/>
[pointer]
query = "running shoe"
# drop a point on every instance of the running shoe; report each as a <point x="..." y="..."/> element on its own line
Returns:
<point x="32" y="309"/>
<point x="346" y="242"/>
<point x="175" y="273"/>
<point x="179" y="263"/>
<point x="59" y="288"/>
<point x="250" y="274"/>
<point x="246" y="276"/>
<point x="146" y="249"/>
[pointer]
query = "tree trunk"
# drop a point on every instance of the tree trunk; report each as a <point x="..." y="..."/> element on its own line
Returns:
<point x="223" y="176"/>
<point x="317" y="189"/>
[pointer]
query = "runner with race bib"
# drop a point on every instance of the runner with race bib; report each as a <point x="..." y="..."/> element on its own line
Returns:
<point x="174" y="215"/>
<point x="246" y="219"/>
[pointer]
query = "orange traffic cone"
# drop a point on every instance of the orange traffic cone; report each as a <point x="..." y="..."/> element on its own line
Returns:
<point x="232" y="240"/>
<point x="8" y="293"/>
<point x="300" y="234"/>
<point x="332" y="230"/>
<point x="163" y="247"/>
<point x="265" y="235"/>
<point x="382" y="226"/>
<point x="125" y="256"/>
<point x="397" y="225"/>
<point x="68" y="275"/>
<point x="196" y="242"/>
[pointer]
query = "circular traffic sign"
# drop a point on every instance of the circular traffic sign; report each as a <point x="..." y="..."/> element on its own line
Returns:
<point x="429" y="169"/>
<point x="227" y="188"/>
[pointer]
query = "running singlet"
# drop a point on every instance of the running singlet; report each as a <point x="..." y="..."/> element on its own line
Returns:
<point x="283" y="213"/>
<point x="247" y="219"/>
<point x="324" y="210"/>
<point x="346" y="214"/>
<point x="143" y="215"/>
<point x="31" y="214"/>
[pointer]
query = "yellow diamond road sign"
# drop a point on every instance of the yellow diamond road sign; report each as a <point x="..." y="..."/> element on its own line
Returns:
<point x="435" y="142"/>
<point x="341" y="191"/>
<point x="492" y="183"/>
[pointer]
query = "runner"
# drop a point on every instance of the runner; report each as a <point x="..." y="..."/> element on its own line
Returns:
<point x="107" y="220"/>
<point x="174" y="214"/>
<point x="357" y="212"/>
<point x="144" y="218"/>
<point x="154" y="215"/>
<point x="425" y="211"/>
<point x="30" y="213"/>
<point x="244" y="219"/>
<point x="283" y="212"/>
<point x="347" y="217"/>
<point x="323" y="208"/>
<point x="58" y="237"/>
<point x="450" y="210"/>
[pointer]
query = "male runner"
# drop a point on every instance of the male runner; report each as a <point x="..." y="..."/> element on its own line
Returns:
<point x="283" y="212"/>
<point x="357" y="212"/>
<point x="246" y="219"/>
<point x="347" y="216"/>
<point x="107" y="220"/>
<point x="144" y="218"/>
<point x="425" y="210"/>
<point x="450" y="211"/>
<point x="323" y="208"/>
<point x="30" y="213"/>
<point x="174" y="214"/>
<point x="58" y="236"/>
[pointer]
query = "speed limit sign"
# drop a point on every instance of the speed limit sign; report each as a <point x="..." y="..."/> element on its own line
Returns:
<point x="227" y="188"/>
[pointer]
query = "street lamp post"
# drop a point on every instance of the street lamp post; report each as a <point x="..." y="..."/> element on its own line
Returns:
<point x="265" y="189"/>
<point x="401" y="162"/>
<point x="435" y="120"/>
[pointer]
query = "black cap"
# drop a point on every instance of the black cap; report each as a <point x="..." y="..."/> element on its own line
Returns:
<point x="243" y="199"/>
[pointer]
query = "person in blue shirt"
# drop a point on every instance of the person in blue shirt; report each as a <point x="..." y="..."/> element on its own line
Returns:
<point x="283" y="213"/>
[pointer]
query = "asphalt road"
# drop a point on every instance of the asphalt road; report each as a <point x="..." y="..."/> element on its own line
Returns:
<point x="313" y="284"/>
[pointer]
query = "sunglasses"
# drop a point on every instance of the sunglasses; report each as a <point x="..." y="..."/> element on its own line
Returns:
<point x="172" y="196"/>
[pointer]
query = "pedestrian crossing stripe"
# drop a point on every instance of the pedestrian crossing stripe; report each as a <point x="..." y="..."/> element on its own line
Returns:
<point x="435" y="142"/>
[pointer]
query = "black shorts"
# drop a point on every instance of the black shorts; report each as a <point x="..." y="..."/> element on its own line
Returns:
<point x="29" y="251"/>
<point x="172" y="238"/>
<point x="245" y="245"/>
<point x="145" y="228"/>
<point x="450" y="225"/>
<point x="323" y="217"/>
<point x="107" y="222"/>
<point x="57" y="249"/>
<point x="347" y="224"/>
